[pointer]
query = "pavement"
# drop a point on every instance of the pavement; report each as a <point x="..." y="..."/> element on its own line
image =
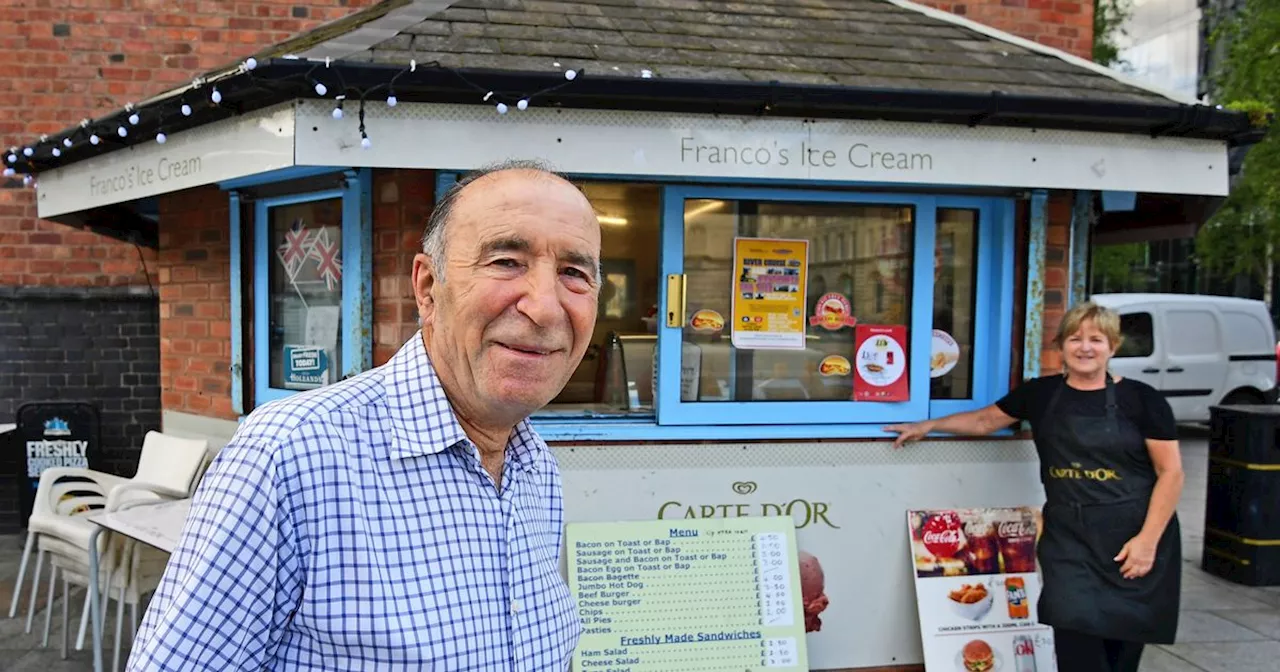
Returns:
<point x="1224" y="627"/>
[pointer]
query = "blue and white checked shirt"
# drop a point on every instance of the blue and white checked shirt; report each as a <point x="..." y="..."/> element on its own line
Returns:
<point x="354" y="528"/>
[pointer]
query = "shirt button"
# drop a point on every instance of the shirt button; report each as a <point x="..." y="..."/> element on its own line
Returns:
<point x="515" y="606"/>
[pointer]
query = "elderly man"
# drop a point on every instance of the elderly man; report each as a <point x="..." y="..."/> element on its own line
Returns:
<point x="408" y="518"/>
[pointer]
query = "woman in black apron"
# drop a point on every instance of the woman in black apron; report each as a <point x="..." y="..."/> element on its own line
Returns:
<point x="1110" y="552"/>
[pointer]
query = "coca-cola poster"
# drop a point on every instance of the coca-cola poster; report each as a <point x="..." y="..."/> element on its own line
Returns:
<point x="977" y="584"/>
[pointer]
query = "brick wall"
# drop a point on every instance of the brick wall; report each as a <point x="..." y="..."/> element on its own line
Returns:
<point x="1062" y="24"/>
<point x="195" y="302"/>
<point x="93" y="345"/>
<point x="402" y="201"/>
<point x="78" y="59"/>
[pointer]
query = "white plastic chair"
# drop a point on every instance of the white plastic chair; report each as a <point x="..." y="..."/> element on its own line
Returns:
<point x="168" y="466"/>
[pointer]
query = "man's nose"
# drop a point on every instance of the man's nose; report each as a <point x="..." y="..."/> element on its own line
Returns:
<point x="541" y="299"/>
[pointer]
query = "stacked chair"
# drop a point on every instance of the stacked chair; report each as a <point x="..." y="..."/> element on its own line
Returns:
<point x="169" y="468"/>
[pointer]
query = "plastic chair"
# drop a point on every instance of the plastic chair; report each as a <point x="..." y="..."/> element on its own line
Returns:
<point x="168" y="466"/>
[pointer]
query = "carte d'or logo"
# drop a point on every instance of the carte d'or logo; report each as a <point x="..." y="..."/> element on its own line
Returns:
<point x="802" y="511"/>
<point x="1076" y="473"/>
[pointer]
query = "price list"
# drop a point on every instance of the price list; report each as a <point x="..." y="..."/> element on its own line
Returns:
<point x="688" y="596"/>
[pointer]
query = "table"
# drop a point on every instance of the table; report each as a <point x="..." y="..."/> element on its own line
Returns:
<point x="156" y="525"/>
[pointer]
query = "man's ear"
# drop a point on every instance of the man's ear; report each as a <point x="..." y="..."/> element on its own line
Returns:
<point x="424" y="286"/>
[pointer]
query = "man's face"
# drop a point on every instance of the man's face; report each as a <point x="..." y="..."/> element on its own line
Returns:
<point x="510" y="322"/>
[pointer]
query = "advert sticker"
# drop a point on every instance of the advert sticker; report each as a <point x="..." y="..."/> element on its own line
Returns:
<point x="880" y="363"/>
<point x="835" y="365"/>
<point x="833" y="312"/>
<point x="707" y="320"/>
<point x="946" y="352"/>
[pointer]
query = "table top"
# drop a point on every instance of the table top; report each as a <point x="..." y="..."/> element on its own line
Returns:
<point x="158" y="525"/>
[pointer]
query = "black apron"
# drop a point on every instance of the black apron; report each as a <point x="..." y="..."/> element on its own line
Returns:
<point x="1098" y="480"/>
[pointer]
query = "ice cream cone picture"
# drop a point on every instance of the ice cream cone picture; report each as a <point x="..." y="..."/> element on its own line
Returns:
<point x="812" y="587"/>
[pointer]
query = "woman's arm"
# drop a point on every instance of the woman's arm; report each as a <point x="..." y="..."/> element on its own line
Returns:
<point x="972" y="423"/>
<point x="1139" y="554"/>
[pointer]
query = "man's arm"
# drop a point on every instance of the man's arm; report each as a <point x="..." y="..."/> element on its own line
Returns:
<point x="232" y="583"/>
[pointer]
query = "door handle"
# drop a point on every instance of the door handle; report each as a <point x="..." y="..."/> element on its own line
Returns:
<point x="675" y="300"/>
<point x="1175" y="369"/>
<point x="1151" y="370"/>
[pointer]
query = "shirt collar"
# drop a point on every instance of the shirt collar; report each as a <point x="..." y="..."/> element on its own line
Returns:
<point x="422" y="420"/>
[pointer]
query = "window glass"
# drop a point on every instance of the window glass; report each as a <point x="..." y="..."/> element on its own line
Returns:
<point x="858" y="255"/>
<point x="1136" y="330"/>
<point x="305" y="294"/>
<point x="616" y="374"/>
<point x="954" y="296"/>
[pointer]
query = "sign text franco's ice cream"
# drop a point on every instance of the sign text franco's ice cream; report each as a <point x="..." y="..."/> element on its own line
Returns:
<point x="859" y="155"/>
<point x="136" y="176"/>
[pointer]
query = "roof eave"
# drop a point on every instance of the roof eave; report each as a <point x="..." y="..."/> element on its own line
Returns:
<point x="283" y="79"/>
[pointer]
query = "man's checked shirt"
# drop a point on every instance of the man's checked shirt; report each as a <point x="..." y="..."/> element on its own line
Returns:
<point x="353" y="528"/>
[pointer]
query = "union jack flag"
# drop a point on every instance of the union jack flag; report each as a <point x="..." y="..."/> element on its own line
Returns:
<point x="328" y="261"/>
<point x="297" y="246"/>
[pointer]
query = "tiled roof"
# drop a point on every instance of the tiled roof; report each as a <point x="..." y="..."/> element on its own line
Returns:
<point x="848" y="43"/>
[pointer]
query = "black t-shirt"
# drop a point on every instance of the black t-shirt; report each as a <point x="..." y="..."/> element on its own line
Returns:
<point x="1142" y="404"/>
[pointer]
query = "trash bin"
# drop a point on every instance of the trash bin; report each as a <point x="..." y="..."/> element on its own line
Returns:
<point x="54" y="434"/>
<point x="1242" y="507"/>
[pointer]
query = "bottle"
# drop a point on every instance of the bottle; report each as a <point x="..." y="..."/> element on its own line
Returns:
<point x="1024" y="654"/>
<point x="1016" y="594"/>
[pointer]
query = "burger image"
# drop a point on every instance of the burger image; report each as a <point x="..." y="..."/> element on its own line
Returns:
<point x="707" y="320"/>
<point x="835" y="365"/>
<point x="812" y="587"/>
<point x="978" y="656"/>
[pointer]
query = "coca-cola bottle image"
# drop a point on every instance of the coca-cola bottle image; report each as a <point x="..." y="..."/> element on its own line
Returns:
<point x="982" y="555"/>
<point x="1024" y="654"/>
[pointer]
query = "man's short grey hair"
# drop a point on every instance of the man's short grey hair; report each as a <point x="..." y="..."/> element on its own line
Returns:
<point x="433" y="237"/>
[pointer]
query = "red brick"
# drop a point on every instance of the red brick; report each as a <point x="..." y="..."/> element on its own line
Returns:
<point x="1040" y="21"/>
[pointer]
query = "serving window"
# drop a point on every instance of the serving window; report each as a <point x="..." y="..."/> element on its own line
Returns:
<point x="785" y="307"/>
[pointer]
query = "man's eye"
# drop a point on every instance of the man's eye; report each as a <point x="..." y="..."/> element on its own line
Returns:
<point x="577" y="273"/>
<point x="506" y="263"/>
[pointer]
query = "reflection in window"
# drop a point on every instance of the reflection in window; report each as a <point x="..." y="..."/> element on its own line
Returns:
<point x="954" y="295"/>
<point x="305" y="294"/>
<point x="872" y="271"/>
<point x="616" y="374"/>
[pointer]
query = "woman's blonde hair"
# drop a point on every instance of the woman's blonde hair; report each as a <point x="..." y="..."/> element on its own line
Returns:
<point x="1106" y="320"/>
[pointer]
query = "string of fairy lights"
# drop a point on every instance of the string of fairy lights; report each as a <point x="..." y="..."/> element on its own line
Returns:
<point x="324" y="79"/>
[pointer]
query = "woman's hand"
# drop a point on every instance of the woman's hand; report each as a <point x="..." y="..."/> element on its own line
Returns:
<point x="1138" y="556"/>
<point x="912" y="432"/>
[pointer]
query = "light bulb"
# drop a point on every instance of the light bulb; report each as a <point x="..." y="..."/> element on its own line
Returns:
<point x="391" y="100"/>
<point x="122" y="131"/>
<point x="502" y="108"/>
<point x="134" y="119"/>
<point x="94" y="139"/>
<point x="13" y="158"/>
<point x="27" y="151"/>
<point x="216" y="96"/>
<point x="337" y="113"/>
<point x="56" y="152"/>
<point x="522" y="105"/>
<point x="646" y="74"/>
<point x="365" y="142"/>
<point x="250" y="64"/>
<point x="161" y="138"/>
<point x="26" y="180"/>
<point x="67" y="143"/>
<point x="186" y="110"/>
<point x="321" y="89"/>
<point x="570" y="75"/>
<point x="8" y="172"/>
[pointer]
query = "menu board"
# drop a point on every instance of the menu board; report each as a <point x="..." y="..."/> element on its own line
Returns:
<point x="880" y="363"/>
<point x="769" y="293"/>
<point x="976" y="590"/>
<point x="703" y="595"/>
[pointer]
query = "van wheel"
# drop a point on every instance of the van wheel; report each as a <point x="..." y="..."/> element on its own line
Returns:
<point x="1243" y="398"/>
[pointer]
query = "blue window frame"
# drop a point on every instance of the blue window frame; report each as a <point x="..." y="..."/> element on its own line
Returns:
<point x="993" y="299"/>
<point x="344" y="268"/>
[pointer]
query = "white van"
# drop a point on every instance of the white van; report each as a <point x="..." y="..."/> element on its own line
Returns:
<point x="1200" y="351"/>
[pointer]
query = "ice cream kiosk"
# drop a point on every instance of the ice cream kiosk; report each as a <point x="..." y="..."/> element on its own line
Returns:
<point x="796" y="252"/>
